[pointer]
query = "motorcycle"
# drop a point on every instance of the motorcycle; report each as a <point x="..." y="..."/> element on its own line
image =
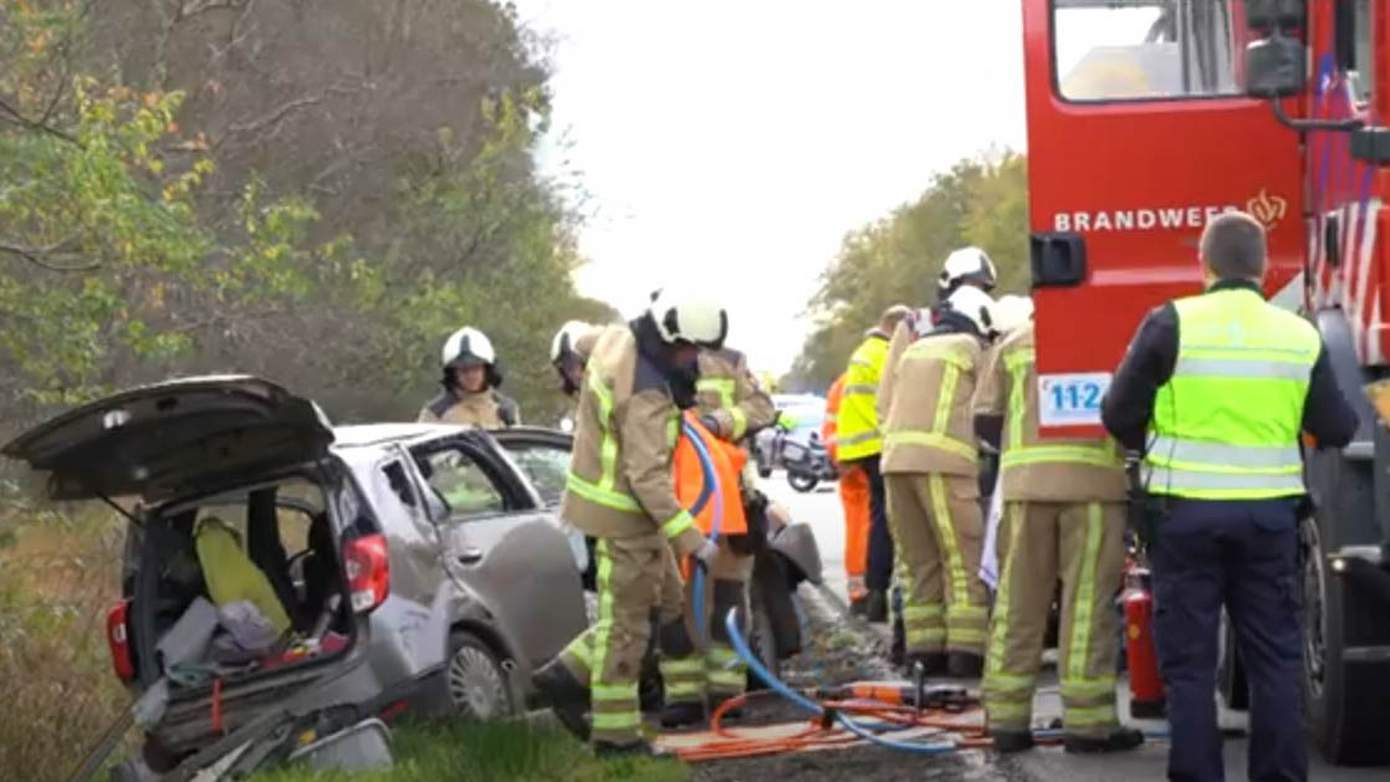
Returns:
<point x="807" y="464"/>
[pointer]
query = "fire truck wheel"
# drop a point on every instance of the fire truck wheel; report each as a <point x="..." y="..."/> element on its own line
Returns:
<point x="1347" y="700"/>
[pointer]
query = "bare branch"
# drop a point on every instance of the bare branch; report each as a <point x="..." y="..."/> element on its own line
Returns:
<point x="15" y="117"/>
<point x="39" y="255"/>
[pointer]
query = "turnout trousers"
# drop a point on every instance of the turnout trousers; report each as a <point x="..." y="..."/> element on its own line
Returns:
<point x="1241" y="555"/>
<point x="637" y="580"/>
<point x="718" y="673"/>
<point x="1083" y="545"/>
<point x="939" y="532"/>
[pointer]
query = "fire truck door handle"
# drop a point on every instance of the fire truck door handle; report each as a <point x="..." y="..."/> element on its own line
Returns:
<point x="1058" y="258"/>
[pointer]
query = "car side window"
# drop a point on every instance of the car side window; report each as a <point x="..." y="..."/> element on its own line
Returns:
<point x="462" y="483"/>
<point x="545" y="466"/>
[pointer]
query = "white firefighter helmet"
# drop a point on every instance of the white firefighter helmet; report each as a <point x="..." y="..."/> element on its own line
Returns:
<point x="565" y="339"/>
<point x="974" y="304"/>
<point x="467" y="346"/>
<point x="685" y="316"/>
<point x="968" y="264"/>
<point x="1010" y="312"/>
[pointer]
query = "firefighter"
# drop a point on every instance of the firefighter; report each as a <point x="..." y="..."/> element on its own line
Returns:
<point x="733" y="407"/>
<point x="471" y="378"/>
<point x="569" y="352"/>
<point x="966" y="266"/>
<point x="1215" y="389"/>
<point x="620" y="491"/>
<point x="1064" y="505"/>
<point x="854" y="498"/>
<point x="930" y="472"/>
<point x="861" y="445"/>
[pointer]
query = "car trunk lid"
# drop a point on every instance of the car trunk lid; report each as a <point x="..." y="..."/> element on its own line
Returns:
<point x="174" y="438"/>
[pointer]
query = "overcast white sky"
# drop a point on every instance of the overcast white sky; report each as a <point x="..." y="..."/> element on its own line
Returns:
<point x="734" y="142"/>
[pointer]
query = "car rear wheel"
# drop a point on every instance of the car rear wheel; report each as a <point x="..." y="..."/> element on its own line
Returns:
<point x="478" y="688"/>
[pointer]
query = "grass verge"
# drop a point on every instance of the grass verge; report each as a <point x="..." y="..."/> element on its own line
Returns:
<point x="494" y="752"/>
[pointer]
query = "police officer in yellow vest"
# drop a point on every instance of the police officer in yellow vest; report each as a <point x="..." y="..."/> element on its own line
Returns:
<point x="733" y="407"/>
<point x="1064" y="518"/>
<point x="1215" y="390"/>
<point x="930" y="471"/>
<point x="620" y="491"/>
<point x="860" y="445"/>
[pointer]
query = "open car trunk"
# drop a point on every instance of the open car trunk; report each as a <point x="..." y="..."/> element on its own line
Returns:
<point x="254" y="578"/>
<point x="234" y="577"/>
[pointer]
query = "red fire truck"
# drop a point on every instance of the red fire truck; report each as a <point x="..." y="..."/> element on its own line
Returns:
<point x="1145" y="119"/>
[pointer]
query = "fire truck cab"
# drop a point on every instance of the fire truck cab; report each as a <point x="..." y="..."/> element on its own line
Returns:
<point x="1145" y="119"/>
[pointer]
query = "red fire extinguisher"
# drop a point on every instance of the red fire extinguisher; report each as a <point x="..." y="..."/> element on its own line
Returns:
<point x="1146" y="694"/>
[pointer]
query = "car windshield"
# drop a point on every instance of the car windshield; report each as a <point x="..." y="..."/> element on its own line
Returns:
<point x="545" y="466"/>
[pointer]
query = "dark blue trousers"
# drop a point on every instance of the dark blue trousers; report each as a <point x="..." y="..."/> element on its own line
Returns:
<point x="1240" y="554"/>
<point x="878" y="574"/>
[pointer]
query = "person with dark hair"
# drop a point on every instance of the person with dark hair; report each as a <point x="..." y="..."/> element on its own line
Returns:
<point x="1214" y="392"/>
<point x="471" y="378"/>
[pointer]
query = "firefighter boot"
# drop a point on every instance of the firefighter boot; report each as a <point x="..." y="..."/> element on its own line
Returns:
<point x="1008" y="741"/>
<point x="965" y="665"/>
<point x="933" y="663"/>
<point x="682" y="715"/>
<point x="876" y="606"/>
<point x="1119" y="740"/>
<point x="562" y="692"/>
<point x="608" y="750"/>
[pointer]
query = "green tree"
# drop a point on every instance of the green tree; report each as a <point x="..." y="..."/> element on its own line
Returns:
<point x="895" y="260"/>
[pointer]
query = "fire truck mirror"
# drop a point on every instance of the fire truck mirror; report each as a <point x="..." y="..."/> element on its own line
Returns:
<point x="1058" y="259"/>
<point x="1274" y="67"/>
<point x="1266" y="15"/>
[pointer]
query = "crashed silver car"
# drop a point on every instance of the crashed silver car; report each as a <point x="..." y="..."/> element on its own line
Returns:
<point x="285" y="578"/>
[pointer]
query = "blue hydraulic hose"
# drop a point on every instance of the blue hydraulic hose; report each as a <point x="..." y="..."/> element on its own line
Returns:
<point x="711" y="482"/>
<point x="778" y="686"/>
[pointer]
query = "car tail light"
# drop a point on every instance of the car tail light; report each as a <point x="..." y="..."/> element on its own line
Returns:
<point x="119" y="639"/>
<point x="368" y="571"/>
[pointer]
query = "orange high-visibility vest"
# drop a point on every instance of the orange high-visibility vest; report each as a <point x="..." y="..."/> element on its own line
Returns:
<point x="690" y="479"/>
<point x="829" y="429"/>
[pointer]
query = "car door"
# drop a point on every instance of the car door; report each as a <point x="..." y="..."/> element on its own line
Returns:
<point x="500" y="545"/>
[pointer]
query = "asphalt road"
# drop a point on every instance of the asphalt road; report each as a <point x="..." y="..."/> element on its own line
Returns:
<point x="821" y="509"/>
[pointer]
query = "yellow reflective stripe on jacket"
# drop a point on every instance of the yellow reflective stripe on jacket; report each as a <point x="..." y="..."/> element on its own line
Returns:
<point x="608" y="448"/>
<point x="1017" y="363"/>
<point x="1242" y="374"/>
<point x="861" y="389"/>
<point x="722" y="386"/>
<point x="933" y="440"/>
<point x="596" y="494"/>
<point x="674" y="526"/>
<point x="603" y="492"/>
<point x="740" y="422"/>
<point x="1094" y="455"/>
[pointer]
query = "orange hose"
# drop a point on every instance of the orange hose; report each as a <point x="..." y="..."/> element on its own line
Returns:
<point x="890" y="709"/>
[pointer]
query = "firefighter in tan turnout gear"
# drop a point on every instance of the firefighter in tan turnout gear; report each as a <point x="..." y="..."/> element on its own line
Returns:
<point x="620" y="491"/>
<point x="930" y="469"/>
<point x="1064" y="518"/>
<point x="732" y="406"/>
<point x="471" y="378"/>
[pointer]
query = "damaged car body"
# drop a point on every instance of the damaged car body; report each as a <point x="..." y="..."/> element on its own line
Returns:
<point x="282" y="573"/>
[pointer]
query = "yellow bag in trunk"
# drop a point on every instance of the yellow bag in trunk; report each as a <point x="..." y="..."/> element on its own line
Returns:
<point x="231" y="576"/>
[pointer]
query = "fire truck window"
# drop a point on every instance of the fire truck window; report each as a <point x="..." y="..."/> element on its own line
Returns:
<point x="1362" y="68"/>
<point x="1107" y="50"/>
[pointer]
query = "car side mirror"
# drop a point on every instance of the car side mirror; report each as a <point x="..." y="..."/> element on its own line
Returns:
<point x="1275" y="67"/>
